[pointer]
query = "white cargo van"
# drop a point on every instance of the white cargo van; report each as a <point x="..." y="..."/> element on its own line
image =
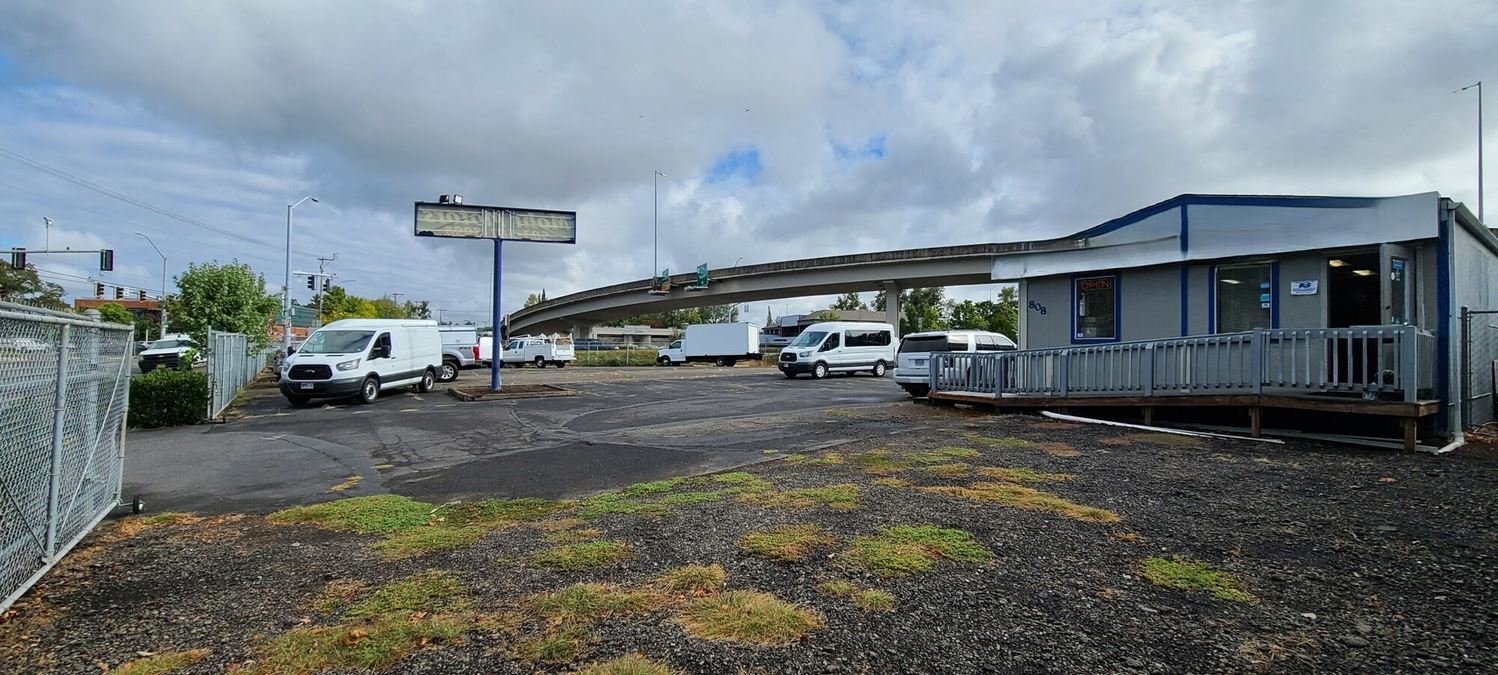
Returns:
<point x="722" y="344"/>
<point x="362" y="357"/>
<point x="912" y="370"/>
<point x="840" y="347"/>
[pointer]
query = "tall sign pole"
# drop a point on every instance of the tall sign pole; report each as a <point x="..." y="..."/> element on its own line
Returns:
<point x="450" y="217"/>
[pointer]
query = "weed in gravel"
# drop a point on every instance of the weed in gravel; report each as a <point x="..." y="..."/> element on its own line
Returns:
<point x="1126" y="537"/>
<point x="419" y="540"/>
<point x="1191" y="575"/>
<point x="690" y="498"/>
<point x="429" y="592"/>
<point x="582" y="603"/>
<point x="892" y="482"/>
<point x="874" y="600"/>
<point x="629" y="664"/>
<point x="1175" y="440"/>
<point x="1022" y="475"/>
<point x="829" y="459"/>
<point x="497" y="513"/>
<point x="1029" y="499"/>
<point x="880" y="461"/>
<point x="694" y="579"/>
<point x="555" y="647"/>
<point x="376" y="514"/>
<point x="161" y="664"/>
<point x="950" y="469"/>
<point x="613" y="502"/>
<point x="793" y="459"/>
<point x="654" y="487"/>
<point x="787" y="543"/>
<point x="129" y="527"/>
<point x="740" y="482"/>
<point x="583" y="556"/>
<point x="840" y="497"/>
<point x="1003" y="443"/>
<point x="748" y="616"/>
<point x="339" y="593"/>
<point x="577" y="536"/>
<point x="904" y="550"/>
<point x="837" y="588"/>
<point x="965" y="453"/>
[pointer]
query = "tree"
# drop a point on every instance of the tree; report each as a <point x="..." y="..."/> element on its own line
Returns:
<point x="1000" y="317"/>
<point x="227" y="297"/>
<point x="849" y="302"/>
<point x="535" y="298"/>
<point x="769" y="318"/>
<point x="24" y="286"/>
<point x="116" y="313"/>
<point x="826" y="315"/>
<point x="718" y="314"/>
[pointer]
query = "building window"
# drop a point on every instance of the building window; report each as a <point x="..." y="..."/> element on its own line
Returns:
<point x="1096" y="303"/>
<point x="1245" y="297"/>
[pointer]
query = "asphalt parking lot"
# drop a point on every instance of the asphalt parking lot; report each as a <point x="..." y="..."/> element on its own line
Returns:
<point x="624" y="425"/>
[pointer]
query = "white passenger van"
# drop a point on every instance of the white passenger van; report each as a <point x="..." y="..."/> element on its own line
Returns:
<point x="913" y="372"/>
<point x="840" y="347"/>
<point x="362" y="357"/>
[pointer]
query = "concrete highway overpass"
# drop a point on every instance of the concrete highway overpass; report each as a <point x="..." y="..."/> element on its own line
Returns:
<point x="886" y="270"/>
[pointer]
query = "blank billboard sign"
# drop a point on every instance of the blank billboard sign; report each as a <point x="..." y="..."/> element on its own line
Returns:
<point x="466" y="221"/>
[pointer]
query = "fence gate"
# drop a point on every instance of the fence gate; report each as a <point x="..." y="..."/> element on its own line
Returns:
<point x="1479" y="358"/>
<point x="231" y="365"/>
<point x="64" y="387"/>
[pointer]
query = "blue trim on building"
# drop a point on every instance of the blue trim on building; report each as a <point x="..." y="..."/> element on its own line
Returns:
<point x="1117" y="308"/>
<point x="1226" y="200"/>
<point x="1274" y="294"/>
<point x="1443" y="319"/>
<point x="1211" y="300"/>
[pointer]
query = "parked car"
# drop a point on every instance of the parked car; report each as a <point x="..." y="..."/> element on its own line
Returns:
<point x="912" y="369"/>
<point x="168" y="352"/>
<point x="840" y="347"/>
<point x="722" y="344"/>
<point x="363" y="357"/>
<point x="593" y="345"/>
<point x="460" y="349"/>
<point x="541" y="350"/>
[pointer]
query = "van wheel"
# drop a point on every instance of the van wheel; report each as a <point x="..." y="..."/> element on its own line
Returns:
<point x="722" y="362"/>
<point x="428" y="379"/>
<point x="819" y="371"/>
<point x="663" y="361"/>
<point x="540" y="362"/>
<point x="879" y="369"/>
<point x="369" y="390"/>
<point x="561" y="364"/>
<point x="449" y="371"/>
<point x="298" y="401"/>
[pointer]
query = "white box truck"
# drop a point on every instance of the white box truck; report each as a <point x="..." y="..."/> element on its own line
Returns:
<point x="722" y="344"/>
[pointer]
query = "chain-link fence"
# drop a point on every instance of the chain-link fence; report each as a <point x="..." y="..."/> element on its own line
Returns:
<point x="64" y="388"/>
<point x="232" y="364"/>
<point x="1479" y="360"/>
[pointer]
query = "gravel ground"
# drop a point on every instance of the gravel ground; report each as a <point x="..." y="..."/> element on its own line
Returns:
<point x="1358" y="561"/>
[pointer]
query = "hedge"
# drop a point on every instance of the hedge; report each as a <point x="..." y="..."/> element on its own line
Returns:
<point x="168" y="398"/>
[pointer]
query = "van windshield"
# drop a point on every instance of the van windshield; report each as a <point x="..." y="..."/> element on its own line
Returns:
<point x="336" y="342"/>
<point x="809" y="339"/>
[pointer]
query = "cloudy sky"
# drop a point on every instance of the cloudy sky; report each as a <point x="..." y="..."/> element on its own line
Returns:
<point x="785" y="129"/>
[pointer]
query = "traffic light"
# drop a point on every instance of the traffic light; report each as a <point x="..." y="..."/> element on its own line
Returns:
<point x="141" y="295"/>
<point x="119" y="292"/>
<point x="325" y="284"/>
<point x="98" y="289"/>
<point x="311" y="283"/>
<point x="18" y="258"/>
<point x="106" y="260"/>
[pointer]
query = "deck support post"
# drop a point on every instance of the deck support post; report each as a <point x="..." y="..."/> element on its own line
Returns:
<point x="1256" y="421"/>
<point x="1149" y="415"/>
<point x="1411" y="427"/>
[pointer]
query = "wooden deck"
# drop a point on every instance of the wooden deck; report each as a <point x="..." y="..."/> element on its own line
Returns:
<point x="1410" y="412"/>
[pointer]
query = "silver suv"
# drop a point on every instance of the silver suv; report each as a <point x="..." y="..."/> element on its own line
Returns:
<point x="912" y="368"/>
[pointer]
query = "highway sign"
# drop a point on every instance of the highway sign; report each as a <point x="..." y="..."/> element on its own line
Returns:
<point x="467" y="221"/>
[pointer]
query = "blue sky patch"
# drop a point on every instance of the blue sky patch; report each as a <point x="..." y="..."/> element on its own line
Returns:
<point x="737" y="163"/>
<point x="873" y="148"/>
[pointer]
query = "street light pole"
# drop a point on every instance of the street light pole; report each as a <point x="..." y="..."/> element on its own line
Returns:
<point x="655" y="261"/>
<point x="286" y="284"/>
<point x="1478" y="85"/>
<point x="163" y="283"/>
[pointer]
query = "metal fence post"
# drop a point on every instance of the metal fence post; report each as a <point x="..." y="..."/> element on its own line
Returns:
<point x="1466" y="363"/>
<point x="59" y="423"/>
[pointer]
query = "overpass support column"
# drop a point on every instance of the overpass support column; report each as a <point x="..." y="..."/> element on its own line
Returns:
<point x="892" y="306"/>
<point x="581" y="329"/>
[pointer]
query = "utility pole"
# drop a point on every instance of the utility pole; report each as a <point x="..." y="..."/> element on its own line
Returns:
<point x="48" y="222"/>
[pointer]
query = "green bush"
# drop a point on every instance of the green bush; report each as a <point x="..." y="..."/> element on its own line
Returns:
<point x="168" y="398"/>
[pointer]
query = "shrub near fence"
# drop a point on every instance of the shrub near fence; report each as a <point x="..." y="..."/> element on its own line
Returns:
<point x="617" y="358"/>
<point x="168" y="398"/>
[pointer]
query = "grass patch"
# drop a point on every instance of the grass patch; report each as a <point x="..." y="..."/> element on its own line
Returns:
<point x="582" y="603"/>
<point x="740" y="482"/>
<point x="690" y="498"/>
<point x="694" y="579"/>
<point x="583" y="556"/>
<point x="613" y="502"/>
<point x="950" y="469"/>
<point x="880" y="461"/>
<point x="1029" y="499"/>
<point x="161" y="664"/>
<point x="904" y="550"/>
<point x="837" y="588"/>
<point x="829" y="459"/>
<point x="840" y="497"/>
<point x="874" y="600"/>
<point x="793" y="459"/>
<point x="376" y="514"/>
<point x="965" y="453"/>
<point x="129" y="527"/>
<point x="892" y="482"/>
<point x="1161" y="438"/>
<point x="1022" y="475"/>
<point x="497" y="513"/>
<point x="1191" y="575"/>
<point x="338" y="594"/>
<point x="654" y="487"/>
<point x="430" y="592"/>
<point x="555" y="647"/>
<point x="419" y="540"/>
<point x="1002" y="443"/>
<point x="787" y="543"/>
<point x="578" y="536"/>
<point x="629" y="664"/>
<point x="749" y="617"/>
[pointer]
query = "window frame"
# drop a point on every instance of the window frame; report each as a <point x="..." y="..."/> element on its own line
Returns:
<point x="1117" y="308"/>
<point x="1213" y="305"/>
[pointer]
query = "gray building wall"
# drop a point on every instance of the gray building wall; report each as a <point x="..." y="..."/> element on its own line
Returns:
<point x="1474" y="283"/>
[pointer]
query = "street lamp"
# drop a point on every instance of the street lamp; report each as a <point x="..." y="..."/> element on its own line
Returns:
<point x="1478" y="85"/>
<point x="655" y="262"/>
<point x="286" y="286"/>
<point x="163" y="283"/>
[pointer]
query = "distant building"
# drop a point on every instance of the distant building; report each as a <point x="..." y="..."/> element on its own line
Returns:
<point x="145" y="308"/>
<point x="632" y="335"/>
<point x="791" y="325"/>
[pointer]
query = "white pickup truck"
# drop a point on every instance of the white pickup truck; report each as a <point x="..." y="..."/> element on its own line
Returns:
<point x="542" y="350"/>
